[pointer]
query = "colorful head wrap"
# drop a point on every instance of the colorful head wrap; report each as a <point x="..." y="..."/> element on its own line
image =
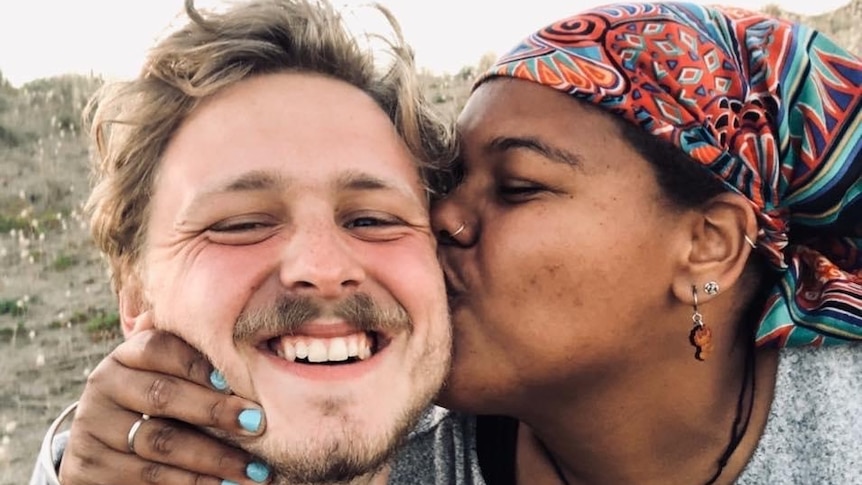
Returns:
<point x="770" y="107"/>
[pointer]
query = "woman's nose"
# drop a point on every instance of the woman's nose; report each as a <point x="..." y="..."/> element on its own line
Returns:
<point x="451" y="221"/>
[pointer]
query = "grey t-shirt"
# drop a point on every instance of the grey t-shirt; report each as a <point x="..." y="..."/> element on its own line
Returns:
<point x="813" y="434"/>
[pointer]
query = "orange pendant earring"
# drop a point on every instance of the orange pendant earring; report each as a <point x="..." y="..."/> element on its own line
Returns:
<point x="701" y="335"/>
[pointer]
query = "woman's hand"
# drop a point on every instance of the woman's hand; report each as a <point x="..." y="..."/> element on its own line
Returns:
<point x="158" y="374"/>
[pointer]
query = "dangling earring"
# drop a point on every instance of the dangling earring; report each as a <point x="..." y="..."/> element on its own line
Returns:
<point x="701" y="335"/>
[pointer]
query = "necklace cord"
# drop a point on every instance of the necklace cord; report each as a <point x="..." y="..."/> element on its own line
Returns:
<point x="736" y="434"/>
<point x="553" y="461"/>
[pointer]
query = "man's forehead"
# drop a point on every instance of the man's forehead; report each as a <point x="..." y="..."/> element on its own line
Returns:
<point x="348" y="180"/>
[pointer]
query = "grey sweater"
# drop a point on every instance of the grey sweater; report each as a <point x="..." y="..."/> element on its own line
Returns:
<point x="813" y="434"/>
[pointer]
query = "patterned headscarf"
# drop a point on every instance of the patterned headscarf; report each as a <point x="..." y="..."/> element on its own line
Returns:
<point x="770" y="107"/>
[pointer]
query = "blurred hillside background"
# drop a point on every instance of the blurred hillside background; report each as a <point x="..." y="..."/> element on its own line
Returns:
<point x="57" y="314"/>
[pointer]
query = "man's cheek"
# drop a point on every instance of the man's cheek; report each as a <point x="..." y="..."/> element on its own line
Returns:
<point x="211" y="337"/>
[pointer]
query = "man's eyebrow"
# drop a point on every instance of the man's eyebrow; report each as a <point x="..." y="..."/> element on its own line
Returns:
<point x="253" y="180"/>
<point x="504" y="143"/>
<point x="364" y="181"/>
<point x="262" y="180"/>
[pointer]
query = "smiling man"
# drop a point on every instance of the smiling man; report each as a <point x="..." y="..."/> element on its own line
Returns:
<point x="261" y="193"/>
<point x="290" y="221"/>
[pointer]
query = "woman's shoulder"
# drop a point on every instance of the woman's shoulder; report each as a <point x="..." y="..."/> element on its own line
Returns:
<point x="813" y="434"/>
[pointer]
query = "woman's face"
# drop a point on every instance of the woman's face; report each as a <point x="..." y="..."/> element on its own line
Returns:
<point x="562" y="277"/>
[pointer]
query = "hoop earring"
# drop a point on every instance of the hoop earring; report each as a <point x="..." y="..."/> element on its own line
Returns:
<point x="701" y="335"/>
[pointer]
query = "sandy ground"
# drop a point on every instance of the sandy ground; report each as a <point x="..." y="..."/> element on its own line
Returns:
<point x="45" y="352"/>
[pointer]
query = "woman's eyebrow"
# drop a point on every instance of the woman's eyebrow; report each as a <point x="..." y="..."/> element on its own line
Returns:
<point x="504" y="143"/>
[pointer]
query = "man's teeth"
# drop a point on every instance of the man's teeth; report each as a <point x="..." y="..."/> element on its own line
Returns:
<point x="336" y="349"/>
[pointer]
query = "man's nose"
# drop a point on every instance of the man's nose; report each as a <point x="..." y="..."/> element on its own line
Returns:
<point x="319" y="261"/>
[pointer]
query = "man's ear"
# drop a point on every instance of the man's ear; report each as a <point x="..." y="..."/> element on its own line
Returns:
<point x="135" y="314"/>
<point x="718" y="250"/>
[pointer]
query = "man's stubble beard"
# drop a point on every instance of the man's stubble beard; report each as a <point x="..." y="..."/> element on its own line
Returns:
<point x="349" y="456"/>
<point x="345" y="455"/>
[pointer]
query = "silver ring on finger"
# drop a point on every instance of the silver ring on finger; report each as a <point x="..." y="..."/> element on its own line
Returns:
<point x="136" y="426"/>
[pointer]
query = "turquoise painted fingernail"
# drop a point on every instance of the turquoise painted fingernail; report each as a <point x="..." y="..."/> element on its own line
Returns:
<point x="249" y="419"/>
<point x="217" y="380"/>
<point x="228" y="482"/>
<point x="257" y="471"/>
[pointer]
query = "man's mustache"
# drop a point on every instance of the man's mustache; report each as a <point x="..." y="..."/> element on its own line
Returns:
<point x="290" y="313"/>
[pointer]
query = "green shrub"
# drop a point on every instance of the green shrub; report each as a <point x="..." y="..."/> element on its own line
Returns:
<point x="63" y="262"/>
<point x="99" y="323"/>
<point x="8" y="223"/>
<point x="9" y="138"/>
<point x="13" y="307"/>
<point x="7" y="334"/>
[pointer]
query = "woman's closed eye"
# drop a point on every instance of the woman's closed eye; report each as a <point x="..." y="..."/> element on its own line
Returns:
<point x="521" y="191"/>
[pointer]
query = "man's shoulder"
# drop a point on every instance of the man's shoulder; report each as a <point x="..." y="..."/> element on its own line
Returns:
<point x="45" y="468"/>
<point x="440" y="450"/>
<point x="438" y="420"/>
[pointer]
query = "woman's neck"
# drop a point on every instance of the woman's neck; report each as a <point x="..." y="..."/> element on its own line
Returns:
<point x="647" y="429"/>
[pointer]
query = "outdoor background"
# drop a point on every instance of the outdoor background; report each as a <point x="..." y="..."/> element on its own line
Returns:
<point x="57" y="314"/>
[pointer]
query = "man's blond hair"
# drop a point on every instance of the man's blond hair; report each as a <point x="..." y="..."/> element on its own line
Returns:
<point x="132" y="122"/>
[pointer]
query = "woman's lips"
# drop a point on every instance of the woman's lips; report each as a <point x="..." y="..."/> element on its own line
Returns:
<point x="454" y="296"/>
<point x="454" y="284"/>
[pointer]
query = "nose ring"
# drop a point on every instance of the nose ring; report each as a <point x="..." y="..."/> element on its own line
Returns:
<point x="459" y="230"/>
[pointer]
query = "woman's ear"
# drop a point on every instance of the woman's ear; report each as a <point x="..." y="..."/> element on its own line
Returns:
<point x="718" y="250"/>
<point x="135" y="314"/>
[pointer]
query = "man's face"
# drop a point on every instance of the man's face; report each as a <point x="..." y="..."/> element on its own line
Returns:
<point x="289" y="241"/>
